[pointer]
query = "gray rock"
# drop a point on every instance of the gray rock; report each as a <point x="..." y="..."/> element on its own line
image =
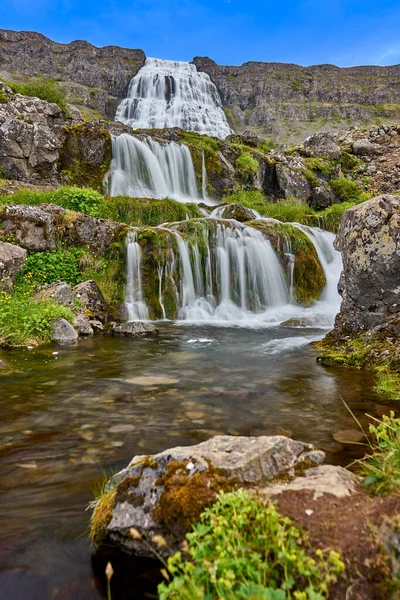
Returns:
<point x="58" y="292"/>
<point x="369" y="240"/>
<point x="322" y="144"/>
<point x="12" y="259"/>
<point x="292" y="183"/>
<point x="365" y="148"/>
<point x="63" y="333"/>
<point x="237" y="212"/>
<point x="134" y="329"/>
<point x="89" y="294"/>
<point x="242" y="460"/>
<point x="324" y="479"/>
<point x="34" y="227"/>
<point x="96" y="325"/>
<point x="82" y="325"/>
<point x="322" y="196"/>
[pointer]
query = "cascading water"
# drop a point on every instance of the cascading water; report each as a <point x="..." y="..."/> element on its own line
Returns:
<point x="147" y="169"/>
<point x="136" y="307"/>
<point x="233" y="276"/>
<point x="167" y="93"/>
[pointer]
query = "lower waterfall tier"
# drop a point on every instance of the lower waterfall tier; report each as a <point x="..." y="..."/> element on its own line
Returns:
<point x="222" y="271"/>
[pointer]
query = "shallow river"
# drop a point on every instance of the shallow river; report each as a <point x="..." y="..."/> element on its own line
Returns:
<point x="66" y="416"/>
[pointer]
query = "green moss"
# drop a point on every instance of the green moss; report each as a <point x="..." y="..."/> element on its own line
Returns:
<point x="74" y="161"/>
<point x="151" y="212"/>
<point x="308" y="276"/>
<point x="349" y="162"/>
<point x="246" y="166"/>
<point x="41" y="87"/>
<point x="186" y="495"/>
<point x="348" y="190"/>
<point x="333" y="215"/>
<point x="320" y="165"/>
<point x="311" y="177"/>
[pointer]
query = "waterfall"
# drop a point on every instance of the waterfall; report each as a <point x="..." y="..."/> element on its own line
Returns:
<point x="228" y="273"/>
<point x="167" y="93"/>
<point x="136" y="307"/>
<point x="144" y="168"/>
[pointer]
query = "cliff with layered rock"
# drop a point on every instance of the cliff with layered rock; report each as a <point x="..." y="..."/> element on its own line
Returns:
<point x="94" y="78"/>
<point x="290" y="102"/>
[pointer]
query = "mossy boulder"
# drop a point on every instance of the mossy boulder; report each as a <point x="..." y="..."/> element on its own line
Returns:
<point x="153" y="502"/>
<point x="86" y="154"/>
<point x="289" y="241"/>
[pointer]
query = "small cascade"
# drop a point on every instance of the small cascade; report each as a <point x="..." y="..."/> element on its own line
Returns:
<point x="144" y="168"/>
<point x="204" y="178"/>
<point x="224" y="272"/>
<point x="134" y="302"/>
<point x="167" y="93"/>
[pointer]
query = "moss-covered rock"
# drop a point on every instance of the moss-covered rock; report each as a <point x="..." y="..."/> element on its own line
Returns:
<point x="308" y="276"/>
<point x="85" y="156"/>
<point x="151" y="212"/>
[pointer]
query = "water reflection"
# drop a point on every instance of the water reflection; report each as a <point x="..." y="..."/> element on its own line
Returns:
<point x="63" y="415"/>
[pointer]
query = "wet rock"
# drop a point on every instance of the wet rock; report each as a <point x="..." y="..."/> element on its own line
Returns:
<point x="63" y="333"/>
<point x="82" y="325"/>
<point x="134" y="328"/>
<point x="237" y="212"/>
<point x="12" y="259"/>
<point x="297" y="323"/>
<point x="96" y="325"/>
<point x="365" y="148"/>
<point x="89" y="295"/>
<point x="349" y="436"/>
<point x="322" y="144"/>
<point x="150" y="493"/>
<point x="58" y="292"/>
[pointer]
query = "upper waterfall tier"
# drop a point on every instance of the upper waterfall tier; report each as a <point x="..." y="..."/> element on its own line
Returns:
<point x="166" y="93"/>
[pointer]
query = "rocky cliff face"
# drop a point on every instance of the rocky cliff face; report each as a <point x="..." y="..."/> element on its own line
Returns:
<point x="94" y="77"/>
<point x="290" y="102"/>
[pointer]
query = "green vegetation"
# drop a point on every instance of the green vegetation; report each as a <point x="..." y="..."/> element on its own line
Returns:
<point x="388" y="384"/>
<point x="43" y="88"/>
<point x="210" y="145"/>
<point x="143" y="211"/>
<point x="318" y="164"/>
<point x="333" y="214"/>
<point x="84" y="200"/>
<point x="243" y="548"/>
<point x="349" y="162"/>
<point x="311" y="177"/>
<point x="47" y="267"/>
<point x="348" y="190"/>
<point x="296" y="86"/>
<point x="3" y="97"/>
<point x="24" y="322"/>
<point x="381" y="469"/>
<point x="247" y="166"/>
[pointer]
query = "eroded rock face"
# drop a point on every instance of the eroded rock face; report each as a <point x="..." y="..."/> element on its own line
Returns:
<point x="44" y="227"/>
<point x="89" y="294"/>
<point x="12" y="259"/>
<point x="163" y="494"/>
<point x="369" y="239"/>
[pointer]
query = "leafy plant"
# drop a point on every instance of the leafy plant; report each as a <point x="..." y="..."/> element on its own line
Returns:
<point x="381" y="469"/>
<point x="23" y="321"/>
<point x="47" y="267"/>
<point x="242" y="549"/>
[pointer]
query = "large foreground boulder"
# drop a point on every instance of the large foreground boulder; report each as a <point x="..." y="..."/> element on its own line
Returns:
<point x="63" y="333"/>
<point x="12" y="259"/>
<point x="369" y="239"/>
<point x="162" y="495"/>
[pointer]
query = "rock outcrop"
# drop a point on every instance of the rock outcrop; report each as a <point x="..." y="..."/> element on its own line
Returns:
<point x="45" y="227"/>
<point x="134" y="329"/>
<point x="12" y="259"/>
<point x="94" y="77"/>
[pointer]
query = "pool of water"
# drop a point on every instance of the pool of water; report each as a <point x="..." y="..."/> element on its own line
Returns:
<point x="68" y="414"/>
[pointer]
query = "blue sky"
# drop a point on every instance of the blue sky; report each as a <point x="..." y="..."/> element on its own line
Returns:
<point x="231" y="32"/>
